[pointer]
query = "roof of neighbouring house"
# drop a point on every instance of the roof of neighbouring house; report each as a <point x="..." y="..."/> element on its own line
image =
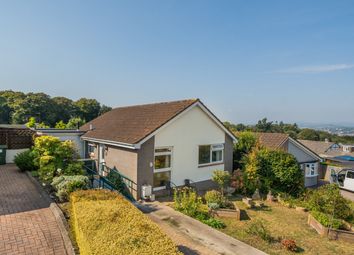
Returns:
<point x="131" y="124"/>
<point x="13" y="126"/>
<point x="272" y="140"/>
<point x="319" y="147"/>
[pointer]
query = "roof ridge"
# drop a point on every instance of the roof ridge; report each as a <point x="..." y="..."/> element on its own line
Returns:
<point x="159" y="103"/>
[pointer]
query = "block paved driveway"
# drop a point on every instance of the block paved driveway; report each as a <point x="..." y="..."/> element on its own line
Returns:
<point x="27" y="224"/>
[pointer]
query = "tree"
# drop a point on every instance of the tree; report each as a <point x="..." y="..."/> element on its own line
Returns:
<point x="104" y="109"/>
<point x="75" y="123"/>
<point x="246" y="141"/>
<point x="264" y="126"/>
<point x="4" y="111"/>
<point x="88" y="108"/>
<point x="309" y="134"/>
<point x="64" y="109"/>
<point x="222" y="178"/>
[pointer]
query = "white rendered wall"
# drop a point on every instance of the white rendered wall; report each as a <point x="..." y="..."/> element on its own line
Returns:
<point x="185" y="134"/>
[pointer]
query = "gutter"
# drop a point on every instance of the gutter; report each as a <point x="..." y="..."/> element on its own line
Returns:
<point x="113" y="143"/>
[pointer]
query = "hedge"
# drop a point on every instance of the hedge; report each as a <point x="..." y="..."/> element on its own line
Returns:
<point x="106" y="223"/>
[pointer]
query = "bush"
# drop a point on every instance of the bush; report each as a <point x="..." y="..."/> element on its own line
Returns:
<point x="328" y="200"/>
<point x="327" y="220"/>
<point x="75" y="168"/>
<point x="289" y="244"/>
<point x="214" y="223"/>
<point x="222" y="178"/>
<point x="258" y="228"/>
<point x="115" y="225"/>
<point x="24" y="161"/>
<point x="276" y="170"/>
<point x="64" y="185"/>
<point x="214" y="197"/>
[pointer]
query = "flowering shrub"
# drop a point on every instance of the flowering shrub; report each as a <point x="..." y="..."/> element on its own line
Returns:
<point x="64" y="185"/>
<point x="289" y="244"/>
<point x="115" y="225"/>
<point x="214" y="197"/>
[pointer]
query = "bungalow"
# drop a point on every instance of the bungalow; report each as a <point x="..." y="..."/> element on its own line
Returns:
<point x="162" y="143"/>
<point x="308" y="160"/>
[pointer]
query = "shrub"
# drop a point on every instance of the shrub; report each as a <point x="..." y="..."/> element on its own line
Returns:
<point x="116" y="225"/>
<point x="75" y="168"/>
<point x="276" y="170"/>
<point x="24" y="161"/>
<point x="258" y="228"/>
<point x="222" y="178"/>
<point x="214" y="197"/>
<point x="187" y="201"/>
<point x="214" y="223"/>
<point x="328" y="200"/>
<point x="64" y="185"/>
<point x="327" y="220"/>
<point x="289" y="244"/>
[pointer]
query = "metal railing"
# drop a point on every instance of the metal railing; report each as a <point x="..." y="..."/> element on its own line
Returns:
<point x="109" y="178"/>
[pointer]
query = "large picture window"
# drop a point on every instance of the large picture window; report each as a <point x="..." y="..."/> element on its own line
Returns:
<point x="211" y="154"/>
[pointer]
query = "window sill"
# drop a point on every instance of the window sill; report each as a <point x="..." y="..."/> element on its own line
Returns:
<point x="309" y="176"/>
<point x="211" y="164"/>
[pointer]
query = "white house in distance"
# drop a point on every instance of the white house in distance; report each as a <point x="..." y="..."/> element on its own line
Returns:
<point x="157" y="144"/>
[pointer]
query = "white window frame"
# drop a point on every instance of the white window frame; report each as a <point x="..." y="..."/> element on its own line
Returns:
<point x="213" y="147"/>
<point x="311" y="166"/>
<point x="161" y="170"/>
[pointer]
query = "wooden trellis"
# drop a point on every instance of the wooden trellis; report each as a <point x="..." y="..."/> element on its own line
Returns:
<point x="16" y="138"/>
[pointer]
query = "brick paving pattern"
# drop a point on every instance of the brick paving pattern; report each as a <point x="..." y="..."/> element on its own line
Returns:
<point x="27" y="225"/>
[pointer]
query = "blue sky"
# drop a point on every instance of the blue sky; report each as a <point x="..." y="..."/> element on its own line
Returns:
<point x="285" y="60"/>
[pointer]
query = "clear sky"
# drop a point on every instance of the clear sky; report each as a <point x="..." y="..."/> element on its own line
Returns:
<point x="285" y="60"/>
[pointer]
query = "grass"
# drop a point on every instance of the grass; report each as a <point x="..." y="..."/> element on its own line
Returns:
<point x="283" y="222"/>
<point x="105" y="223"/>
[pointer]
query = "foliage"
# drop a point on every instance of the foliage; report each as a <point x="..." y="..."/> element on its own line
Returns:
<point x="24" y="161"/>
<point x="308" y="134"/>
<point x="214" y="223"/>
<point x="246" y="141"/>
<point x="65" y="185"/>
<point x="214" y="197"/>
<point x="271" y="169"/>
<point x="34" y="173"/>
<point x="327" y="220"/>
<point x="115" y="225"/>
<point x="258" y="228"/>
<point x="115" y="178"/>
<point x="74" y="123"/>
<point x="289" y="244"/>
<point x="31" y="122"/>
<point x="17" y="107"/>
<point x="222" y="178"/>
<point x="328" y="200"/>
<point x="54" y="158"/>
<point x="60" y="125"/>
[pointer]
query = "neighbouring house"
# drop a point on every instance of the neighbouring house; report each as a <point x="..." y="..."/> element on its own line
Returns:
<point x="161" y="144"/>
<point x="65" y="135"/>
<point x="309" y="161"/>
<point x="16" y="138"/>
<point x="336" y="157"/>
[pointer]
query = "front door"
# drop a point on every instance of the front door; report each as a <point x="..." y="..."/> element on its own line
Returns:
<point x="162" y="168"/>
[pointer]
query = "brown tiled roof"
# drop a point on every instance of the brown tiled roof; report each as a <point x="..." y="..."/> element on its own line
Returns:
<point x="318" y="147"/>
<point x="131" y="124"/>
<point x="272" y="140"/>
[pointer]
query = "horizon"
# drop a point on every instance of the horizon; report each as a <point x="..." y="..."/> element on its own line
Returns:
<point x="286" y="61"/>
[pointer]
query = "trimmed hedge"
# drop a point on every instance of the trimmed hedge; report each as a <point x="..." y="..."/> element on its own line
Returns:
<point x="106" y="223"/>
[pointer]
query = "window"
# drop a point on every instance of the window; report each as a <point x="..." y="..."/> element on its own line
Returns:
<point x="211" y="154"/>
<point x="350" y="175"/>
<point x="311" y="170"/>
<point x="162" y="167"/>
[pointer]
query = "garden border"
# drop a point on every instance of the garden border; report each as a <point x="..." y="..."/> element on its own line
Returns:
<point x="334" y="234"/>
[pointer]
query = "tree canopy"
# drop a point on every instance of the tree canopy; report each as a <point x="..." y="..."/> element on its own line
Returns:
<point x="18" y="108"/>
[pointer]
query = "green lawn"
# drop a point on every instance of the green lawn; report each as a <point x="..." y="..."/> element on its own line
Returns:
<point x="286" y="223"/>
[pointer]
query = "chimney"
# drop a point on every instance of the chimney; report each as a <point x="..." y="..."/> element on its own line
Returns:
<point x="91" y="127"/>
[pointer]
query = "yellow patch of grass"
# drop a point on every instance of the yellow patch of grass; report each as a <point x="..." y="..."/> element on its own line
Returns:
<point x="106" y="223"/>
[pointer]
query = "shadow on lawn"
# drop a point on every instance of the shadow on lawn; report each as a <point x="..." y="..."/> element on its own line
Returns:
<point x="187" y="251"/>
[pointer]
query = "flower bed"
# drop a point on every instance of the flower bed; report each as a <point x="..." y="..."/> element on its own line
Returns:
<point x="106" y="223"/>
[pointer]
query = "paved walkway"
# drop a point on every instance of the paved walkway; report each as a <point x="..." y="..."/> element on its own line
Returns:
<point x="348" y="194"/>
<point x="27" y="224"/>
<point x="194" y="237"/>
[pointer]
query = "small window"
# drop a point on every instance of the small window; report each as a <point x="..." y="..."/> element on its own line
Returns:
<point x="310" y="170"/>
<point x="211" y="154"/>
<point x="163" y="158"/>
